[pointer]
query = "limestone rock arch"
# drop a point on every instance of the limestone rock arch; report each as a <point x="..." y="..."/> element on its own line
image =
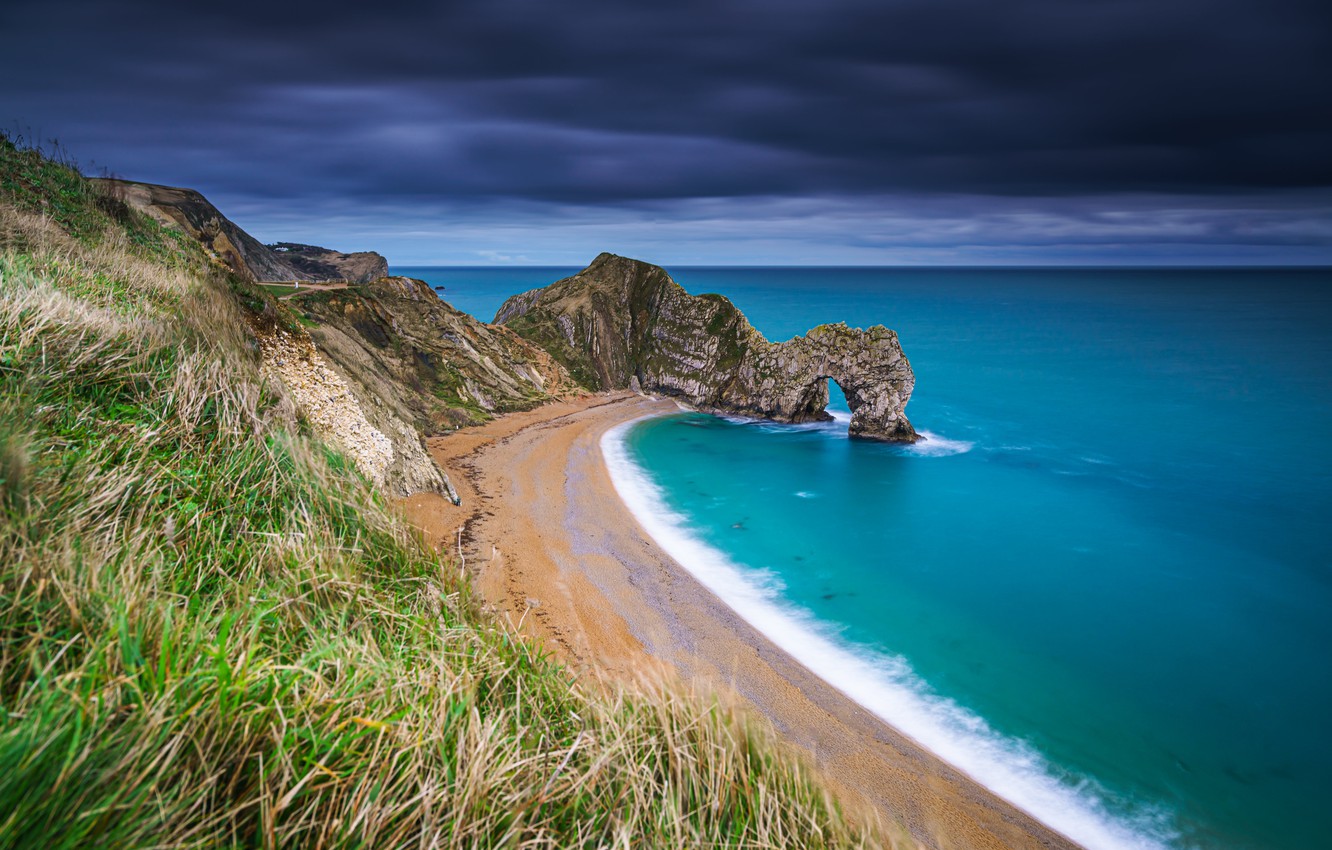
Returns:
<point x="622" y="323"/>
<point x="789" y="380"/>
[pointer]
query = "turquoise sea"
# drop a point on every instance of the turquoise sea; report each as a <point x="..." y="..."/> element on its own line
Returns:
<point x="1102" y="585"/>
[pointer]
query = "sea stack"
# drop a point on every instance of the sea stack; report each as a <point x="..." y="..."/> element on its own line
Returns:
<point x="622" y="323"/>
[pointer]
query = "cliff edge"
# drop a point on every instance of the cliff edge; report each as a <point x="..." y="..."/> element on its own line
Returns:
<point x="374" y="366"/>
<point x="622" y="323"/>
<point x="192" y="213"/>
<point x="434" y="366"/>
<point x="327" y="264"/>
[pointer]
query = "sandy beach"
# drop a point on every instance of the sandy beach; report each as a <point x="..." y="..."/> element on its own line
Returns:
<point x="555" y="550"/>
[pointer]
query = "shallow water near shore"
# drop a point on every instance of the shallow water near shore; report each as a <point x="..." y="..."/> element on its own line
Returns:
<point x="1101" y="585"/>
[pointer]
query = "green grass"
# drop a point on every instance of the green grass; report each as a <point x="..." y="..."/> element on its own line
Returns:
<point x="90" y="211"/>
<point x="214" y="633"/>
<point x="279" y="288"/>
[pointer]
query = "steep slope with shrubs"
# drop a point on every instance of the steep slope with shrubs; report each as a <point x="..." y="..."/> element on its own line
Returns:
<point x="213" y="633"/>
<point x="439" y="367"/>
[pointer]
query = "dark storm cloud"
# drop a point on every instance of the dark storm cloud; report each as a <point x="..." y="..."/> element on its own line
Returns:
<point x="589" y="103"/>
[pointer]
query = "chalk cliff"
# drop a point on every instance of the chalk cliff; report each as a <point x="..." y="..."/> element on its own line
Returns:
<point x="373" y="366"/>
<point x="624" y="323"/>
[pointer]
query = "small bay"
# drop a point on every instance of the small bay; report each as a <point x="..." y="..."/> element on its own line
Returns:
<point x="1108" y="562"/>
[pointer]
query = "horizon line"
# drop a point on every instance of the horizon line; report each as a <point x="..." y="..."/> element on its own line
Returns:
<point x="904" y="266"/>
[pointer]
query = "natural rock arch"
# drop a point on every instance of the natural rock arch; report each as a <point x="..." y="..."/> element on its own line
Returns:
<point x="623" y="323"/>
<point x="789" y="380"/>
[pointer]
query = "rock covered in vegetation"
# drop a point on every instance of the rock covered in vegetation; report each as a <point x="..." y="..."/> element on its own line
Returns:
<point x="192" y="213"/>
<point x="622" y="322"/>
<point x="327" y="264"/>
<point x="434" y="366"/>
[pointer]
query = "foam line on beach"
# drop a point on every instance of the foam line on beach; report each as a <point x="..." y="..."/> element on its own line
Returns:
<point x="884" y="684"/>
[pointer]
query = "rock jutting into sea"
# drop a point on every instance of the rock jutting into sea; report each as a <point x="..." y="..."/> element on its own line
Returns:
<point x="622" y="323"/>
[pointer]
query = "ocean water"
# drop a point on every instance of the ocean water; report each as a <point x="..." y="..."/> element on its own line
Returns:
<point x="1103" y="584"/>
<point x="481" y="290"/>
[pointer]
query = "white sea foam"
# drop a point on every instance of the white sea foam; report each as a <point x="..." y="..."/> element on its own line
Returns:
<point x="885" y="684"/>
<point x="935" y="445"/>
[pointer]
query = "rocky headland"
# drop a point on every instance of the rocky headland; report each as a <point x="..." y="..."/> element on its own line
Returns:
<point x="625" y="324"/>
<point x="419" y="367"/>
<point x="327" y="264"/>
<point x="192" y="213"/>
<point x="382" y="363"/>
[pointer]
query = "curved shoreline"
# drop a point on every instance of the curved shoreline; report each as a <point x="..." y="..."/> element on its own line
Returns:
<point x="556" y="549"/>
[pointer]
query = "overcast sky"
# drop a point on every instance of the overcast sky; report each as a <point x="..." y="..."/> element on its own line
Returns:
<point x="763" y="132"/>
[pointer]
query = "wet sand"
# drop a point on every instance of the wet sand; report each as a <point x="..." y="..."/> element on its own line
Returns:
<point x="558" y="553"/>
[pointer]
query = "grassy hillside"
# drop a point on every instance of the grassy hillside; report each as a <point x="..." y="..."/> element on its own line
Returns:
<point x="213" y="633"/>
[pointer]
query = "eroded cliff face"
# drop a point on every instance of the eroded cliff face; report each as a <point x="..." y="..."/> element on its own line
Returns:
<point x="374" y="366"/>
<point x="434" y="366"/>
<point x="382" y="443"/>
<point x="623" y="323"/>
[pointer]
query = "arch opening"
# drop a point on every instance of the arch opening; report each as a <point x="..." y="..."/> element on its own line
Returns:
<point x="839" y="408"/>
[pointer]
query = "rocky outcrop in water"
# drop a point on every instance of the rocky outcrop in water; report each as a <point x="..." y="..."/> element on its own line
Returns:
<point x="621" y="323"/>
<point x="192" y="213"/>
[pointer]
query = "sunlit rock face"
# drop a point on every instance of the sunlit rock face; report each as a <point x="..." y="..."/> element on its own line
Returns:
<point x="621" y="323"/>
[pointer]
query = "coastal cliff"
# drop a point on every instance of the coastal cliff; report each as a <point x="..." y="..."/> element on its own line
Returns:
<point x="434" y="366"/>
<point x="376" y="366"/>
<point x="192" y="213"/>
<point x="216" y="631"/>
<point x="327" y="264"/>
<point x="622" y="323"/>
